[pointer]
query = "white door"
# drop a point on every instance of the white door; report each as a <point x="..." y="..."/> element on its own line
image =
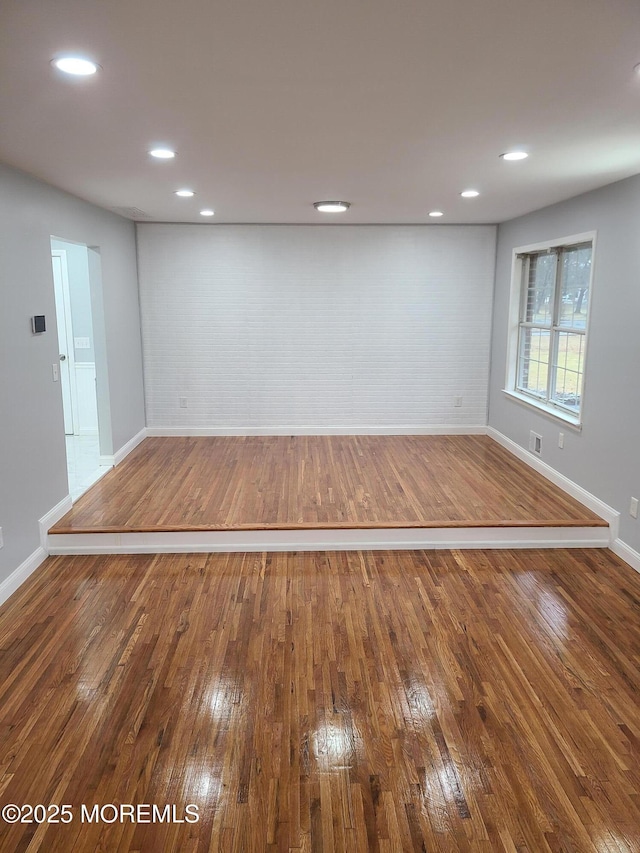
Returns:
<point x="65" y="336"/>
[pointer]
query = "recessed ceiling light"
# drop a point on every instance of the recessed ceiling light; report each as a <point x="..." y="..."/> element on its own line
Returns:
<point x="436" y="213"/>
<point x="207" y="212"/>
<point x="185" y="193"/>
<point x="162" y="153"/>
<point x="514" y="155"/>
<point x="469" y="193"/>
<point x="332" y="206"/>
<point x="76" y="65"/>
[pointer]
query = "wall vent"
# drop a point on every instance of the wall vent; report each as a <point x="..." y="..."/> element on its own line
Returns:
<point x="535" y="442"/>
<point x="131" y="212"/>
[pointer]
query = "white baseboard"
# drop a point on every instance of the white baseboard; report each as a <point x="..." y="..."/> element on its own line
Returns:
<point x="480" y="429"/>
<point x="126" y="449"/>
<point x="50" y="518"/>
<point x="19" y="576"/>
<point x="328" y="540"/>
<point x="626" y="553"/>
<point x="593" y="503"/>
<point x="620" y="548"/>
<point x="106" y="461"/>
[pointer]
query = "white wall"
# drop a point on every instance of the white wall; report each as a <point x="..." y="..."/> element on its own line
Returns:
<point x="315" y="327"/>
<point x="33" y="475"/>
<point x="604" y="458"/>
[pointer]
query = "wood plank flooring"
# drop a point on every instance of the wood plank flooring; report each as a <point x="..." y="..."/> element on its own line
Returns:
<point x="347" y="702"/>
<point x="291" y="482"/>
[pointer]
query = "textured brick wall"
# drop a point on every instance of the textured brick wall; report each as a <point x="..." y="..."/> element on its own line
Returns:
<point x="315" y="328"/>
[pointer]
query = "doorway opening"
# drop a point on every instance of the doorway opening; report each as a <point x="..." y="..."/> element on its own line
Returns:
<point x="78" y="299"/>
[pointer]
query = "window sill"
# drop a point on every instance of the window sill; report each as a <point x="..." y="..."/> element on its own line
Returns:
<point x="541" y="408"/>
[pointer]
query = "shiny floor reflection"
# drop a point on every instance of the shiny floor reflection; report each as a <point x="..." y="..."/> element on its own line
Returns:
<point x="389" y="701"/>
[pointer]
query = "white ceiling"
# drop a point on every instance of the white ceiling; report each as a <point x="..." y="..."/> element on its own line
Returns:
<point x="394" y="105"/>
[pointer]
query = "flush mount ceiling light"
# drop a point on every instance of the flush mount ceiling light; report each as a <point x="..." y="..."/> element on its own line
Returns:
<point x="514" y="155"/>
<point x="207" y="212"/>
<point x="185" y="193"/>
<point x="76" y="65"/>
<point x="469" y="193"/>
<point x="162" y="153"/>
<point x="332" y="206"/>
<point x="436" y="213"/>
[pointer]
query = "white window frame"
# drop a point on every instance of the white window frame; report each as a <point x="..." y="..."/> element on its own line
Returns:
<point x="515" y="304"/>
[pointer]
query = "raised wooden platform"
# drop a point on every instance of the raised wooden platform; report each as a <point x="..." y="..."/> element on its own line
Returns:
<point x="289" y="492"/>
<point x="457" y="702"/>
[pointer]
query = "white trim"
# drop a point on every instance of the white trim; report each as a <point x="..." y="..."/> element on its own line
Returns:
<point x="480" y="429"/>
<point x="572" y="240"/>
<point x="328" y="540"/>
<point x="626" y="553"/>
<point x="51" y="517"/>
<point x="27" y="567"/>
<point x="593" y="503"/>
<point x="69" y="344"/>
<point x="19" y="576"/>
<point x="543" y="409"/>
<point x="126" y="449"/>
<point x="514" y="322"/>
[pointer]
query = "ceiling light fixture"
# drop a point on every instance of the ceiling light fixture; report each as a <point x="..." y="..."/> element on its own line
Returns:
<point x="162" y="153"/>
<point x="514" y="155"/>
<point x="207" y="212"/>
<point x="332" y="206"/>
<point x="185" y="193"/>
<point x="436" y="213"/>
<point x="75" y="65"/>
<point x="469" y="193"/>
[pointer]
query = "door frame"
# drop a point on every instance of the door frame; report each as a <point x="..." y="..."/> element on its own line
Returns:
<point x="68" y="322"/>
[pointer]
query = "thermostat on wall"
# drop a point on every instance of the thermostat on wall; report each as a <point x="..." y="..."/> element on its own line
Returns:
<point x="38" y="324"/>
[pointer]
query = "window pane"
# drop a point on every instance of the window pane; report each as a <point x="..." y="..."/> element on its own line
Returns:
<point x="568" y="370"/>
<point x="540" y="287"/>
<point x="533" y="364"/>
<point x="576" y="272"/>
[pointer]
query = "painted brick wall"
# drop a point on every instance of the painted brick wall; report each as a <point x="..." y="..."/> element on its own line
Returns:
<point x="315" y="328"/>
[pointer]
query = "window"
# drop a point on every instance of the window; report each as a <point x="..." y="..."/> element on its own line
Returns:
<point x="551" y="293"/>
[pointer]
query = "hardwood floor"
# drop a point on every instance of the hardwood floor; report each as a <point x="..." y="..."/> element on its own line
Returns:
<point x="285" y="482"/>
<point x="349" y="702"/>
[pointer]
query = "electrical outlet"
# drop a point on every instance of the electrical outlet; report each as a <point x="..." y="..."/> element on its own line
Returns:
<point x="633" y="508"/>
<point x="560" y="440"/>
<point x="457" y="402"/>
<point x="55" y="370"/>
<point x="182" y="401"/>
